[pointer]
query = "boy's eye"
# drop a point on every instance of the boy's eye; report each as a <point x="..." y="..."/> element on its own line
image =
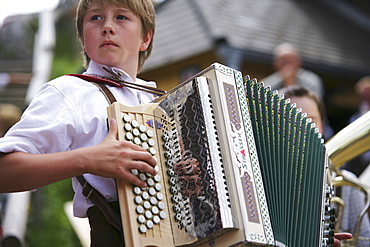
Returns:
<point x="96" y="17"/>
<point x="121" y="17"/>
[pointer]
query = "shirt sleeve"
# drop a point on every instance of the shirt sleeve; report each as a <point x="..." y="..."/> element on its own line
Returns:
<point x="47" y="126"/>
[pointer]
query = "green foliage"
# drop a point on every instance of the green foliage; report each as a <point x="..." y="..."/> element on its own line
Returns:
<point x="67" y="58"/>
<point x="48" y="224"/>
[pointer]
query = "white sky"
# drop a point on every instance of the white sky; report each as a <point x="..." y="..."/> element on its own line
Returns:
<point x="20" y="7"/>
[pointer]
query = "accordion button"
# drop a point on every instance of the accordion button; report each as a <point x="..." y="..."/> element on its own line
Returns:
<point x="141" y="219"/>
<point x="166" y="145"/>
<point x="151" y="142"/>
<point x="176" y="208"/>
<point x="145" y="195"/>
<point x="161" y="205"/>
<point x="128" y="127"/>
<point x="178" y="217"/>
<point x="146" y="205"/>
<point x="152" y="191"/>
<point x="142" y="176"/>
<point x="142" y="128"/>
<point x="160" y="196"/>
<point x="148" y="214"/>
<point x="165" y="137"/>
<point x="137" y="141"/>
<point x="155" y="210"/>
<point x="142" y="229"/>
<point x="153" y="200"/>
<point x="144" y="145"/>
<point x="162" y="215"/>
<point x="138" y="200"/>
<point x="135" y="132"/>
<point x="172" y="182"/>
<point x="167" y="154"/>
<point x="169" y="163"/>
<point x="156" y="219"/>
<point x="152" y="151"/>
<point x="175" y="199"/>
<point x="150" y="133"/>
<point x="134" y="123"/>
<point x="157" y="178"/>
<point x="171" y="173"/>
<point x="150" y="182"/>
<point x="149" y="224"/>
<point x="137" y="190"/>
<point x="129" y="136"/>
<point x="143" y="137"/>
<point x="126" y="118"/>
<point x="135" y="172"/>
<point x="158" y="187"/>
<point x="139" y="210"/>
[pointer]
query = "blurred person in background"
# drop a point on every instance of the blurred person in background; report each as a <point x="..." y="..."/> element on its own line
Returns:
<point x="354" y="200"/>
<point x="289" y="72"/>
<point x="362" y="88"/>
<point x="9" y="115"/>
<point x="17" y="78"/>
<point x="308" y="101"/>
<point x="287" y="63"/>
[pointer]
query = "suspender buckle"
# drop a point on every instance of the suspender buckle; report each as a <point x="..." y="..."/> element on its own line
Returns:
<point x="87" y="189"/>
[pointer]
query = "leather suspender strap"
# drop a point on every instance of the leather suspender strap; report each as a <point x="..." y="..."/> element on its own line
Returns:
<point x="88" y="191"/>
<point x="107" y="93"/>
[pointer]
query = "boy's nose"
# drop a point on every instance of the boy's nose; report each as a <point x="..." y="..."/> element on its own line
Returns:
<point x="108" y="29"/>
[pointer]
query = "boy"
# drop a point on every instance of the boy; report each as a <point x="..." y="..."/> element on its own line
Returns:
<point x="63" y="133"/>
<point x="308" y="101"/>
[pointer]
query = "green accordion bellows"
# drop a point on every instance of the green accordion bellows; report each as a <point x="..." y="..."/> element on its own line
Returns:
<point x="291" y="156"/>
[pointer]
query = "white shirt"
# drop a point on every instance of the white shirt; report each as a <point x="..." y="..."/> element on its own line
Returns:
<point x="305" y="78"/>
<point x="69" y="113"/>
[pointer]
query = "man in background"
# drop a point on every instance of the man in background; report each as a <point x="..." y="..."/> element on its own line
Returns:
<point x="289" y="72"/>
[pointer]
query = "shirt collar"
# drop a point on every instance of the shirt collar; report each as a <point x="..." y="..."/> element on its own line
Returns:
<point x="95" y="68"/>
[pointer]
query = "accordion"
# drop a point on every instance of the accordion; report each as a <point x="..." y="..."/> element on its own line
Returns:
<point x="238" y="165"/>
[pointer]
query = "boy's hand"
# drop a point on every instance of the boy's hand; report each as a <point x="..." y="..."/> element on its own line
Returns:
<point x="113" y="158"/>
<point x="341" y="236"/>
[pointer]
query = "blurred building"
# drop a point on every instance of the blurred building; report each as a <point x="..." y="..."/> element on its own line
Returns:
<point x="331" y="35"/>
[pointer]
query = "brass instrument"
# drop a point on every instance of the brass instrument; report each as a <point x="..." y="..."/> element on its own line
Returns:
<point x="349" y="143"/>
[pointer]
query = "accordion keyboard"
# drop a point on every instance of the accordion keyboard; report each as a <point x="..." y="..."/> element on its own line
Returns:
<point x="149" y="200"/>
<point x="146" y="221"/>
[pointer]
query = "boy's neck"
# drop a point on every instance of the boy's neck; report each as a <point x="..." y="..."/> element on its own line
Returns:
<point x="95" y="68"/>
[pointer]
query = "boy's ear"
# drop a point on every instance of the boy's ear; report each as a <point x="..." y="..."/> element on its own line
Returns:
<point x="146" y="41"/>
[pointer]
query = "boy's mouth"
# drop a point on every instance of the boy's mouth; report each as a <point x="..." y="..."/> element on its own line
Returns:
<point x="108" y="43"/>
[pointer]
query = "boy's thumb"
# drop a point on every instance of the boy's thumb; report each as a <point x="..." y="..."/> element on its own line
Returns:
<point x="112" y="128"/>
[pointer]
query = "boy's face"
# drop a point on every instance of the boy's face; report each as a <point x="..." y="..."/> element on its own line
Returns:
<point x="112" y="36"/>
<point x="310" y="107"/>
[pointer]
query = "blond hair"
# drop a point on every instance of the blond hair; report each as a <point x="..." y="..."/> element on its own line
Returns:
<point x="142" y="8"/>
